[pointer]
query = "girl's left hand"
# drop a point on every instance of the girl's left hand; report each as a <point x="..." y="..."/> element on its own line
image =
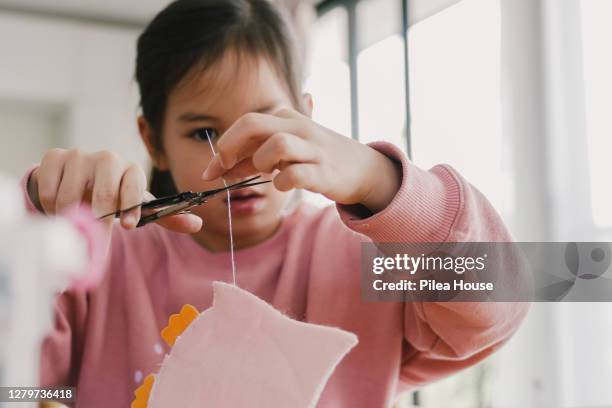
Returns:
<point x="307" y="156"/>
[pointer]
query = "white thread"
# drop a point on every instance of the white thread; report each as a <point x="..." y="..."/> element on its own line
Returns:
<point x="229" y="215"/>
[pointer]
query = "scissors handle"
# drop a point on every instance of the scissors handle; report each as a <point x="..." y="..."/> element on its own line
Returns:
<point x="173" y="210"/>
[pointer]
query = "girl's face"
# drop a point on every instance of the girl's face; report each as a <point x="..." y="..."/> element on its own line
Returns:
<point x="214" y="100"/>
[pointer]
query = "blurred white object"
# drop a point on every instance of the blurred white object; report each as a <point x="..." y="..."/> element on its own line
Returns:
<point x="38" y="257"/>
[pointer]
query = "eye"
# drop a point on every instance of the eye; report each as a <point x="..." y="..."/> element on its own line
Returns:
<point x="203" y="134"/>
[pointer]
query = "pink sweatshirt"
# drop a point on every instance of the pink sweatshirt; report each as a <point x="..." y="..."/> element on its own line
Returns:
<point x="106" y="341"/>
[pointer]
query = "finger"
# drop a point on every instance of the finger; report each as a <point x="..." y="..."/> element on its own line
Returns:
<point x="131" y="193"/>
<point x="148" y="196"/>
<point x="74" y="181"/>
<point x="49" y="175"/>
<point x="242" y="169"/>
<point x="283" y="147"/>
<point x="278" y="148"/>
<point x="247" y="133"/>
<point x="301" y="175"/>
<point x="184" y="223"/>
<point x="214" y="169"/>
<point x="287" y="113"/>
<point x="107" y="179"/>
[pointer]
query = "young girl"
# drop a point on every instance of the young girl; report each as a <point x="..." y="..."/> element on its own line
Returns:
<point x="226" y="69"/>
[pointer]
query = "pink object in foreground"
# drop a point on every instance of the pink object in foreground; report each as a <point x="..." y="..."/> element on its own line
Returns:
<point x="243" y="352"/>
<point x="94" y="232"/>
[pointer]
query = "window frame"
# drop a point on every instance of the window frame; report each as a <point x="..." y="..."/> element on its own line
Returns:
<point x="353" y="51"/>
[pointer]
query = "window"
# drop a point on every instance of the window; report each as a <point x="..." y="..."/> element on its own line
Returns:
<point x="329" y="77"/>
<point x="328" y="80"/>
<point x="596" y="35"/>
<point x="455" y="96"/>
<point x="381" y="72"/>
<point x="358" y="70"/>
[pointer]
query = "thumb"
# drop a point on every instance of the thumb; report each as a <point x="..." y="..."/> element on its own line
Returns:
<point x="185" y="223"/>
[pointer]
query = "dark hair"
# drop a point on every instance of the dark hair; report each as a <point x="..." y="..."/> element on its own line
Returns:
<point x="190" y="34"/>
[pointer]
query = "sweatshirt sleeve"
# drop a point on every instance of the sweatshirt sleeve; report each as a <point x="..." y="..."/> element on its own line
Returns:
<point x="438" y="205"/>
<point x="62" y="348"/>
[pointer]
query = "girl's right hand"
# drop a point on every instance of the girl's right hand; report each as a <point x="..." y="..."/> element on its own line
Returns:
<point x="101" y="179"/>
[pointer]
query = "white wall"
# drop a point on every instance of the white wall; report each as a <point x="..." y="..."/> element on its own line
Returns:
<point x="81" y="75"/>
<point x="28" y="130"/>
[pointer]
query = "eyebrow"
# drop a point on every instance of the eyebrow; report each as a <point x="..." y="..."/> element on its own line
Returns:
<point x="200" y="117"/>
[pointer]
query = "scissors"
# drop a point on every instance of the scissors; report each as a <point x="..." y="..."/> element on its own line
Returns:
<point x="180" y="203"/>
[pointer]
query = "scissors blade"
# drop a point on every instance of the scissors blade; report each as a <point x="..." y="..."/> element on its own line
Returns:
<point x="182" y="202"/>
<point x="235" y="186"/>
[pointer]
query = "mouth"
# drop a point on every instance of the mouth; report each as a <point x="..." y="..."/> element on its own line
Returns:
<point x="245" y="201"/>
<point x="243" y="195"/>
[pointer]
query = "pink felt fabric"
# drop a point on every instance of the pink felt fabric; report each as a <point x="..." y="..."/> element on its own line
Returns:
<point x="242" y="352"/>
<point x="105" y="341"/>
